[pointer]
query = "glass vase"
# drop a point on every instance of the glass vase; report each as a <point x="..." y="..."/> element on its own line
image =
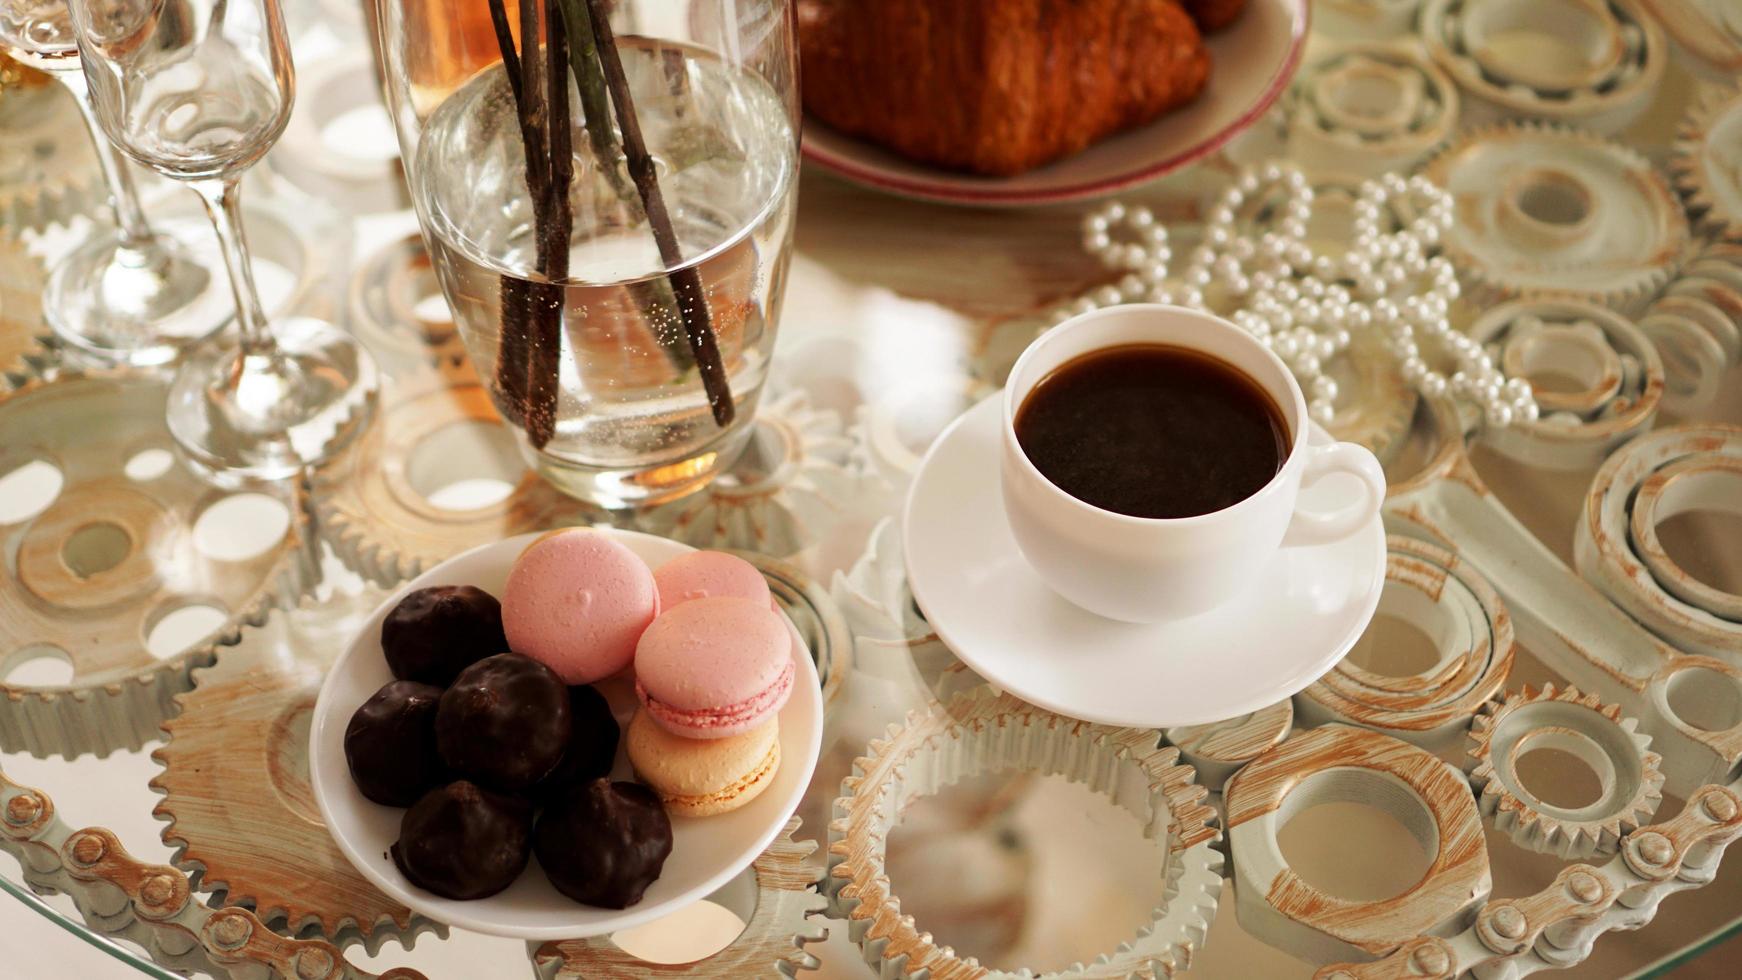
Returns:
<point x="607" y="199"/>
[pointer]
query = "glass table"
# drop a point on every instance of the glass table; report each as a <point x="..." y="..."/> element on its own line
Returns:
<point x="186" y="748"/>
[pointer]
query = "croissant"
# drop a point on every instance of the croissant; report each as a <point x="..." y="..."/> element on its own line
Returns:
<point x="997" y="86"/>
<point x="1213" y="15"/>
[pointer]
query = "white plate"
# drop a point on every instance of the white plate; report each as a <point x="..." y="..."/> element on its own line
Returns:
<point x="1252" y="63"/>
<point x="706" y="851"/>
<point x="1307" y="609"/>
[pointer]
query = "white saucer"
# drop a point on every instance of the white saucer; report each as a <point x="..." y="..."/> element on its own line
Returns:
<point x="706" y="851"/>
<point x="1305" y="611"/>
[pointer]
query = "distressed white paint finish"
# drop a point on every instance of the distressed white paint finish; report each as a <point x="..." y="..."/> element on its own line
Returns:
<point x="1630" y="781"/>
<point x="1338" y="763"/>
<point x="987" y="732"/>
<point x="1595" y="64"/>
<point x="1471" y="630"/>
<point x="1547" y="209"/>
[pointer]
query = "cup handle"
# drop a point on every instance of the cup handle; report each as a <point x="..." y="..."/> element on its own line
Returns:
<point x="1309" y="527"/>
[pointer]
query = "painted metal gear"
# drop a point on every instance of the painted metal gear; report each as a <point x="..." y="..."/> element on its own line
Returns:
<point x="1707" y="35"/>
<point x="1614" y="85"/>
<point x="1218" y="750"/>
<point x="1708" y="162"/>
<point x="1618" y="372"/>
<point x="379" y="505"/>
<point x="48" y="173"/>
<point x="787" y="493"/>
<point x="396" y="305"/>
<point x="988" y="732"/>
<point x="116" y="556"/>
<point x="783" y="920"/>
<point x="151" y="905"/>
<point x="1450" y="601"/>
<point x="23" y="351"/>
<point x="1648" y="480"/>
<point x="1696" y="323"/>
<point x="241" y="814"/>
<point x="1343" y="764"/>
<point x="1331" y="130"/>
<point x="1545" y="209"/>
<point x="892" y="431"/>
<point x="1583" y="726"/>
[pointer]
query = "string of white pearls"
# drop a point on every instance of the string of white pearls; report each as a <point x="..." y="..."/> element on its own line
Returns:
<point x="1306" y="304"/>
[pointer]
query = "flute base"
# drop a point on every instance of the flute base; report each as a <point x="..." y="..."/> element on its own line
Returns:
<point x="138" y="306"/>
<point x="623" y="487"/>
<point x="270" y="413"/>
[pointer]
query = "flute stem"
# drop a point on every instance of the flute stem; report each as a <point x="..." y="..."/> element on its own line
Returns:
<point x="223" y="201"/>
<point x="135" y="231"/>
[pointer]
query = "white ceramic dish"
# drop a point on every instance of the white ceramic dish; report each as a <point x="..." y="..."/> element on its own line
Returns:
<point x="1253" y="59"/>
<point x="1307" y="608"/>
<point x="706" y="852"/>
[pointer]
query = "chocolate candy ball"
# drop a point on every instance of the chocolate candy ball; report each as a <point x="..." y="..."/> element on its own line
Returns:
<point x="504" y="724"/>
<point x="391" y="744"/>
<point x="603" y="843"/>
<point x="435" y="633"/>
<point x="593" y="736"/>
<point x="461" y="841"/>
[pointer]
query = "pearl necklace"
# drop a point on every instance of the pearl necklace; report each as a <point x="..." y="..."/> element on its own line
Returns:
<point x="1305" y="305"/>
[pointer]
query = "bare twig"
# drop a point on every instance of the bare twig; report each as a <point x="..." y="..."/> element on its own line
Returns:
<point x="595" y="101"/>
<point x="555" y="222"/>
<point x="686" y="281"/>
<point x="652" y="297"/>
<point x="513" y="329"/>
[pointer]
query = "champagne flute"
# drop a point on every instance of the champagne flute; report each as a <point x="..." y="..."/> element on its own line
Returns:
<point x="199" y="90"/>
<point x="128" y="294"/>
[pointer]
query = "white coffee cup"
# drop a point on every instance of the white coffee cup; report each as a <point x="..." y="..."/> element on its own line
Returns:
<point x="1146" y="570"/>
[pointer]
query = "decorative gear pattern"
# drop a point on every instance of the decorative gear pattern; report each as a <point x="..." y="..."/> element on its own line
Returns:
<point x="1342" y="764"/>
<point x="370" y="503"/>
<point x="1707" y="34"/>
<point x="23" y="352"/>
<point x="109" y="557"/>
<point x="785" y="494"/>
<point x="48" y="173"/>
<point x="987" y="732"/>
<point x="397" y="307"/>
<point x="1607" y="553"/>
<point x="1330" y="129"/>
<point x="241" y="814"/>
<point x="1697" y="322"/>
<point x="151" y="905"/>
<point x="1580" y="724"/>
<point x="1558" y="926"/>
<point x="783" y="923"/>
<point x="1543" y="208"/>
<point x="1449" y="600"/>
<point x="1708" y="162"/>
<point x="1620" y="375"/>
<point x="1604" y="94"/>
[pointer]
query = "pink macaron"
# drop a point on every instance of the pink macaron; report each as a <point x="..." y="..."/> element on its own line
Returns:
<point x="701" y="574"/>
<point x="714" y="667"/>
<point x="578" y="602"/>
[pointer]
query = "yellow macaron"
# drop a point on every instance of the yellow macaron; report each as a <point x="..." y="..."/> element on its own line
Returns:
<point x="703" y="777"/>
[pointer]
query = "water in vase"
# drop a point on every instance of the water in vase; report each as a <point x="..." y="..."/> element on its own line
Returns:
<point x="632" y="419"/>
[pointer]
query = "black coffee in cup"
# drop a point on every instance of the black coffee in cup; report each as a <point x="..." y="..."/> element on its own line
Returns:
<point x="1152" y="430"/>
